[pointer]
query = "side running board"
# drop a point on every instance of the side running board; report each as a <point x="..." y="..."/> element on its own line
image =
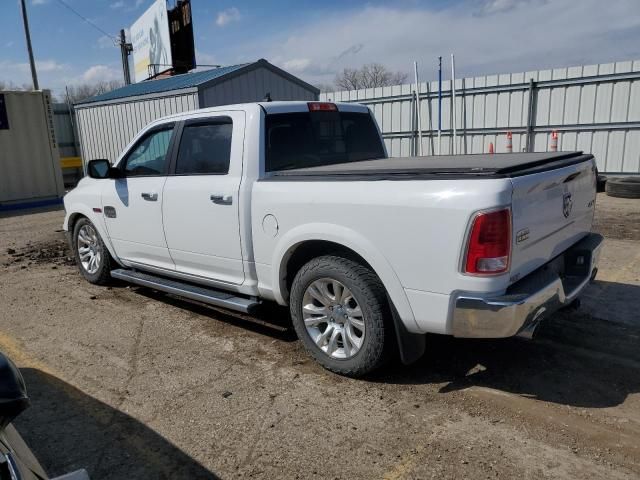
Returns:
<point x="218" y="298"/>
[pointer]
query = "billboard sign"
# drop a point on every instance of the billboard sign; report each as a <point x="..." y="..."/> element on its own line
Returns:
<point x="151" y="42"/>
<point x="182" y="46"/>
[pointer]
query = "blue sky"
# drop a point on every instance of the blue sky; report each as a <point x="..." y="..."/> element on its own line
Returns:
<point x="316" y="39"/>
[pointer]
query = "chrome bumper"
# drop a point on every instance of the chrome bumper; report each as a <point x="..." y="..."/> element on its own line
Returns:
<point x="530" y="300"/>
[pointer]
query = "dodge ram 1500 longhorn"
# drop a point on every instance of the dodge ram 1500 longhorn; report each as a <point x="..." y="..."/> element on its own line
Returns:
<point x="298" y="203"/>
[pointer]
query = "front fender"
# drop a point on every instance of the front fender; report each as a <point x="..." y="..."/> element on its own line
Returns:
<point x="352" y="240"/>
<point x="96" y="218"/>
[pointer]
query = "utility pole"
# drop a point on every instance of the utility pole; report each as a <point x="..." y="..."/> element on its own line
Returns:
<point x="25" y="20"/>
<point x="125" y="49"/>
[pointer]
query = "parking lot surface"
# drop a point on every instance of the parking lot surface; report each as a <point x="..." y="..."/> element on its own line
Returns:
<point x="130" y="383"/>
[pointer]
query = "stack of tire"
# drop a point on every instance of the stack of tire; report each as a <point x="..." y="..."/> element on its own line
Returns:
<point x="626" y="187"/>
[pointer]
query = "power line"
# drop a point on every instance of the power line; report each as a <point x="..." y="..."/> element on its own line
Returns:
<point x="75" y="12"/>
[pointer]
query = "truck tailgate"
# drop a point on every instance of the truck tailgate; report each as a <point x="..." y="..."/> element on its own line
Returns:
<point x="551" y="209"/>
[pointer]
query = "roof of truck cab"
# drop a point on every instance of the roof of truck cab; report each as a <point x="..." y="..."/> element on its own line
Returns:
<point x="303" y="106"/>
<point x="269" y="107"/>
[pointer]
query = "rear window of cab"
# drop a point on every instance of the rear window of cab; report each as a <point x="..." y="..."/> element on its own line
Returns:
<point x="319" y="138"/>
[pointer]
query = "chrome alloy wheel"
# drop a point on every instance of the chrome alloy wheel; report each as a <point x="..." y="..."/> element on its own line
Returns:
<point x="89" y="249"/>
<point x="333" y="318"/>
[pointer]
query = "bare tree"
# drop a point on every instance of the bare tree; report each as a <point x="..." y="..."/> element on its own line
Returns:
<point x="4" y="85"/>
<point x="76" y="92"/>
<point x="349" y="79"/>
<point x="369" y="76"/>
<point x="326" y="87"/>
<point x="83" y="91"/>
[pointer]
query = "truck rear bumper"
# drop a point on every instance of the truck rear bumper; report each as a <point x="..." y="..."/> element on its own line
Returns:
<point x="532" y="299"/>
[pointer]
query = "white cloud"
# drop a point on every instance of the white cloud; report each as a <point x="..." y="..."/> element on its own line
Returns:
<point x="55" y="76"/>
<point x="296" y="64"/>
<point x="227" y="16"/>
<point x="51" y="74"/>
<point x="48" y="66"/>
<point x="487" y="36"/>
<point x="496" y="36"/>
<point x="497" y="6"/>
<point x="99" y="73"/>
<point x="39" y="2"/>
<point x="126" y="5"/>
<point x="106" y="42"/>
<point x="203" y="58"/>
<point x="23" y="67"/>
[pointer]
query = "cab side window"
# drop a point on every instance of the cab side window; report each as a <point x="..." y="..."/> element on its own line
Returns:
<point x="205" y="148"/>
<point x="149" y="154"/>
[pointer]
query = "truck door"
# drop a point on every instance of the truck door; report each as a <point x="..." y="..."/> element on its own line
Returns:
<point x="201" y="198"/>
<point x="132" y="205"/>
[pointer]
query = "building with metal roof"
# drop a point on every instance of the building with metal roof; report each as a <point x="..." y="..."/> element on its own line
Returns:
<point x="107" y="122"/>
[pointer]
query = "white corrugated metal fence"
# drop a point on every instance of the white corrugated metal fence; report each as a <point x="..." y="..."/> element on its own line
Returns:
<point x="594" y="108"/>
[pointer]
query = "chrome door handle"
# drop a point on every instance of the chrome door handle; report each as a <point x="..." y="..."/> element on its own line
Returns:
<point x="150" y="197"/>
<point x="221" y="199"/>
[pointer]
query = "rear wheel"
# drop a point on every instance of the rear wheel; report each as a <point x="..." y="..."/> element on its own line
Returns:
<point x="340" y="311"/>
<point x="93" y="258"/>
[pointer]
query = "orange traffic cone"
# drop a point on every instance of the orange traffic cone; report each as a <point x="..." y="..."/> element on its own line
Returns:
<point x="491" y="148"/>
<point x="554" y="141"/>
<point x="509" y="142"/>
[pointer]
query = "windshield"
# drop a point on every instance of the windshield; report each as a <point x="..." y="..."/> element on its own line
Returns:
<point x="312" y="139"/>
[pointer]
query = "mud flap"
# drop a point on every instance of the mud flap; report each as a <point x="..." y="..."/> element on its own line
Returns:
<point x="411" y="345"/>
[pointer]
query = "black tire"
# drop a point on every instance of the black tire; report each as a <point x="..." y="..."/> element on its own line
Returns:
<point x="370" y="295"/>
<point x="602" y="182"/>
<point x="628" y="187"/>
<point x="103" y="274"/>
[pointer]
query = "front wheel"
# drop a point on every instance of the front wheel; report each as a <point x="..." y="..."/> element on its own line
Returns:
<point x="92" y="256"/>
<point x="340" y="311"/>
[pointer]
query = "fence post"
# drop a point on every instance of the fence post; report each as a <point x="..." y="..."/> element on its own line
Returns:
<point x="414" y="125"/>
<point x="530" y="115"/>
<point x="418" y="118"/>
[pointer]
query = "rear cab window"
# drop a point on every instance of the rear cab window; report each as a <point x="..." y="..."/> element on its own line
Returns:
<point x="319" y="138"/>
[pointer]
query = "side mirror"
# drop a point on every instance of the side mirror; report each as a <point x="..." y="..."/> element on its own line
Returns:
<point x="98" y="168"/>
<point x="102" y="168"/>
<point x="13" y="392"/>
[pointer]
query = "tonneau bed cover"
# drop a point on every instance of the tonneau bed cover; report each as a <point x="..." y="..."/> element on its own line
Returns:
<point x="499" y="165"/>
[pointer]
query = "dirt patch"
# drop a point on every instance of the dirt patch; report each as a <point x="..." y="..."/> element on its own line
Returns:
<point x="617" y="218"/>
<point x="52" y="252"/>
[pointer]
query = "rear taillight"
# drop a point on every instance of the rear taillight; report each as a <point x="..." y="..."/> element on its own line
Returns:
<point x="322" y="107"/>
<point x="489" y="244"/>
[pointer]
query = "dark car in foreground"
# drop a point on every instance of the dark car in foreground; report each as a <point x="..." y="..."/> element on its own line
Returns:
<point x="17" y="461"/>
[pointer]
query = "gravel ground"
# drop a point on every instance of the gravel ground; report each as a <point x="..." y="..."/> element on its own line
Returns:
<point x="131" y="383"/>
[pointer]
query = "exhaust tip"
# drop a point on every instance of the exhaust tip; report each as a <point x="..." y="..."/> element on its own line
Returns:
<point x="529" y="332"/>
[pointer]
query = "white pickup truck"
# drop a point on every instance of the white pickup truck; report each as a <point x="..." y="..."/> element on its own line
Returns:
<point x="298" y="203"/>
